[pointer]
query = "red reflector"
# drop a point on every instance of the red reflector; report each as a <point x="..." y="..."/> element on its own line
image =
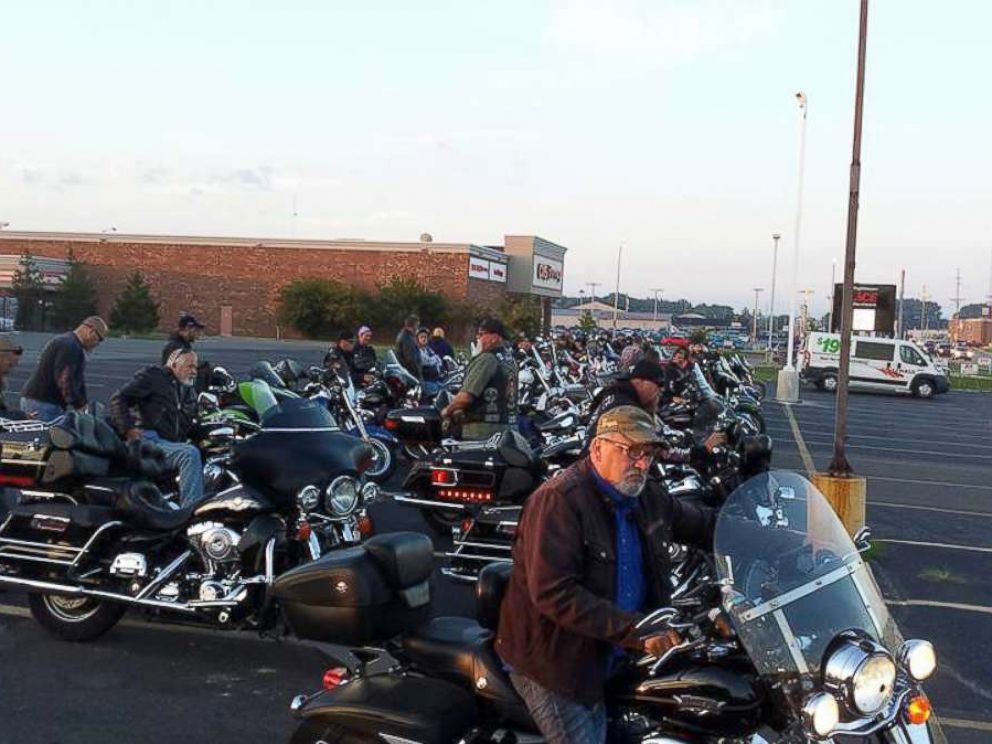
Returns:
<point x="16" y="480"/>
<point x="469" y="495"/>
<point x="391" y="424"/>
<point x="304" y="533"/>
<point x="335" y="677"/>
<point x="466" y="526"/>
<point x="442" y="477"/>
<point x="366" y="527"/>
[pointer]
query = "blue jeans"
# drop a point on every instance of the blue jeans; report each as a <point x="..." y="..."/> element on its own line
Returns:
<point x="40" y="410"/>
<point x="560" y="719"/>
<point x="184" y="458"/>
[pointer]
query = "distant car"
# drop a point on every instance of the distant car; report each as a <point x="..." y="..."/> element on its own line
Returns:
<point x="941" y="350"/>
<point x="6" y="324"/>
<point x="962" y="352"/>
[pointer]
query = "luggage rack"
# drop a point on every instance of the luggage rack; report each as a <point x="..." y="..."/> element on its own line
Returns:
<point x="18" y="426"/>
<point x="42" y="552"/>
<point x="470" y="554"/>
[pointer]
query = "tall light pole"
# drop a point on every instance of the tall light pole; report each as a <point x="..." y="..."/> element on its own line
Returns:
<point x="925" y="298"/>
<point x="787" y="390"/>
<point x="754" y="320"/>
<point x="656" y="291"/>
<point x="833" y="289"/>
<point x="616" y="294"/>
<point x="592" y="289"/>
<point x="771" y="303"/>
<point x="902" y="299"/>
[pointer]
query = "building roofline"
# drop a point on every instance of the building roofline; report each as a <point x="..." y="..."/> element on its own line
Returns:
<point x="350" y="244"/>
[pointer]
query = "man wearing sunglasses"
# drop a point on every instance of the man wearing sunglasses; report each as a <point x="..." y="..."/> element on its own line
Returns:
<point x="58" y="383"/>
<point x="590" y="559"/>
<point x="487" y="401"/>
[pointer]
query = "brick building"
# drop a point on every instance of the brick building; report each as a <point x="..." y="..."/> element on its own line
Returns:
<point x="232" y="284"/>
<point x="972" y="330"/>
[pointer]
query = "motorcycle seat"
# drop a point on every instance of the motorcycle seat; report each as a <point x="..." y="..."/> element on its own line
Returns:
<point x="142" y="505"/>
<point x="553" y="423"/>
<point x="461" y="650"/>
<point x="516" y="451"/>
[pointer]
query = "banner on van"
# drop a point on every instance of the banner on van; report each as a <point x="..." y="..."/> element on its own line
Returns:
<point x="874" y="308"/>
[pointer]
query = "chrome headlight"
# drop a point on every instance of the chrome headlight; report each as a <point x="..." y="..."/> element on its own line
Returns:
<point x="821" y="714"/>
<point x="864" y="673"/>
<point x="341" y="497"/>
<point x="918" y="658"/>
<point x="308" y="498"/>
<point x="370" y="493"/>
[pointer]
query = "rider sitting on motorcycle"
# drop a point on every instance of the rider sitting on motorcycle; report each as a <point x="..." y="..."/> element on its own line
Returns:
<point x="590" y="556"/>
<point x="340" y="358"/>
<point x="677" y="376"/>
<point x="159" y="403"/>
<point x="642" y="387"/>
<point x="363" y="361"/>
<point x="431" y="366"/>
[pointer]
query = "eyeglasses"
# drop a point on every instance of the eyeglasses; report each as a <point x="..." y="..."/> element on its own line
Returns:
<point x="636" y="453"/>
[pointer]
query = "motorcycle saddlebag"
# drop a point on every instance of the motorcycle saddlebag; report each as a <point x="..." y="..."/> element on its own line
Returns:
<point x="25" y="456"/>
<point x="371" y="592"/>
<point x="415" y="709"/>
<point x="415" y="425"/>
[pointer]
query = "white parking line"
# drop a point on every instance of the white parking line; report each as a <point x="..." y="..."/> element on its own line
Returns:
<point x="961" y="723"/>
<point x="923" y="544"/>
<point x="800" y="443"/>
<point x="983" y="609"/>
<point x="942" y="484"/>
<point x="828" y="430"/>
<point x="906" y="450"/>
<point x="961" y="512"/>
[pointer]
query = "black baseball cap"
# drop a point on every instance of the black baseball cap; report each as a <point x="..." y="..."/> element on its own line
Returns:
<point x="492" y="325"/>
<point x="188" y="320"/>
<point x="346" y="336"/>
<point x="648" y="370"/>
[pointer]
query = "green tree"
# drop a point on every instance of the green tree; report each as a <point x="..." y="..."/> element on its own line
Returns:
<point x="587" y="323"/>
<point x="76" y="298"/>
<point x="698" y="336"/>
<point x="522" y="314"/>
<point x="135" y="310"/>
<point x="403" y="297"/>
<point x="29" y="290"/>
<point x="317" y="308"/>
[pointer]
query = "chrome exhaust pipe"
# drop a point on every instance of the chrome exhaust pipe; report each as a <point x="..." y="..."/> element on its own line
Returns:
<point x="95" y="593"/>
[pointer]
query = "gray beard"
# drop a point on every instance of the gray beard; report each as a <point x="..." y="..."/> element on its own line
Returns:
<point x="631" y="487"/>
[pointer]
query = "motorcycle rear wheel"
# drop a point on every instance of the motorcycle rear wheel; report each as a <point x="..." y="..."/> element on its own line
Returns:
<point x="313" y="732"/>
<point x="75" y="619"/>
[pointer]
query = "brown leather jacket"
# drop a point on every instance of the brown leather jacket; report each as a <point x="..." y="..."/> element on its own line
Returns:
<point x="558" y="621"/>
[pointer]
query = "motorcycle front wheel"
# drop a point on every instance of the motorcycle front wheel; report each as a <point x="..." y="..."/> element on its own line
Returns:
<point x="314" y="732"/>
<point x="74" y="618"/>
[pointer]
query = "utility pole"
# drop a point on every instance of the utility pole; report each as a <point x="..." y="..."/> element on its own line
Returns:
<point x="831" y="295"/>
<point x="902" y="296"/>
<point x="956" y="299"/>
<point x="771" y="302"/>
<point x="656" y="293"/>
<point x="839" y="466"/>
<point x="925" y="298"/>
<point x="616" y="294"/>
<point x="754" y="320"/>
<point x="592" y="289"/>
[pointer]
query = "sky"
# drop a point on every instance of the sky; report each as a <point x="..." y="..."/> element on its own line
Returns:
<point x="668" y="126"/>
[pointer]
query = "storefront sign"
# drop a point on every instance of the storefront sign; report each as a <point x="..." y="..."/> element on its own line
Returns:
<point x="547" y="273"/>
<point x="497" y="272"/>
<point x="478" y="268"/>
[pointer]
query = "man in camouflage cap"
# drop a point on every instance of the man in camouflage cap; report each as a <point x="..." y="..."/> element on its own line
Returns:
<point x="590" y="559"/>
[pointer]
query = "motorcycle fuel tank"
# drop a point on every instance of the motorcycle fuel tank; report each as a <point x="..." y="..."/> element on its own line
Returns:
<point x="722" y="699"/>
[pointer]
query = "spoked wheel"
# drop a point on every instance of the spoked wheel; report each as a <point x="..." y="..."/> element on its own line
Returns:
<point x="74" y="618"/>
<point x="383" y="461"/>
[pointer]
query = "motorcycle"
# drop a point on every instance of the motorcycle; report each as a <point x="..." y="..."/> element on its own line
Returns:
<point x="785" y="639"/>
<point x="92" y="535"/>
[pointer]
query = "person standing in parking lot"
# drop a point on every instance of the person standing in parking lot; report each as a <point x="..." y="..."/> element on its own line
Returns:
<point x="187" y="332"/>
<point x="58" y="383"/>
<point x="407" y="350"/>
<point x="10" y="355"/>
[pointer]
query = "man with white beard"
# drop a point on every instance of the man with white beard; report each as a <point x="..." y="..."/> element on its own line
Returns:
<point x="159" y="404"/>
<point x="590" y="559"/>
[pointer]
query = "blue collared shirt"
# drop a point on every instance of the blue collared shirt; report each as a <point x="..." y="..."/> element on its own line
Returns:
<point x="630" y="588"/>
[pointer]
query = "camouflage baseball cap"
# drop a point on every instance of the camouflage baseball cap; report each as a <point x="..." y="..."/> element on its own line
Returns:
<point x="632" y="422"/>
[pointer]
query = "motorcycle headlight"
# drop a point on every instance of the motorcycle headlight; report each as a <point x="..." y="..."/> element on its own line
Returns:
<point x="821" y="714"/>
<point x="370" y="493"/>
<point x="918" y="658"/>
<point x="864" y="673"/>
<point x="341" y="496"/>
<point x="308" y="498"/>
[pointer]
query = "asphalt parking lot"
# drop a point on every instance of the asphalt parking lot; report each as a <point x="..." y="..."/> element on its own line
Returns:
<point x="928" y="465"/>
<point x="930" y="508"/>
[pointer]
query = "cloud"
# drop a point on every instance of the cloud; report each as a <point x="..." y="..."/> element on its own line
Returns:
<point x="260" y="178"/>
<point x="32" y="175"/>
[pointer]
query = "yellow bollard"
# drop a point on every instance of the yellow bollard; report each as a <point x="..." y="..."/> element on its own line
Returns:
<point x="847" y="496"/>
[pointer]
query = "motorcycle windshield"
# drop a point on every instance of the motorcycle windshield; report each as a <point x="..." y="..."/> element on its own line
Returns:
<point x="299" y="414"/>
<point x="257" y="394"/>
<point x="793" y="578"/>
<point x="393" y="367"/>
<point x="264" y="371"/>
<point x="701" y="383"/>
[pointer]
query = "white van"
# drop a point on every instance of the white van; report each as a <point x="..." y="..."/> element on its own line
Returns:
<point x="876" y="364"/>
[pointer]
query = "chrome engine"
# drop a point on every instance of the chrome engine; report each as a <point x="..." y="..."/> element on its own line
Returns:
<point x="214" y="542"/>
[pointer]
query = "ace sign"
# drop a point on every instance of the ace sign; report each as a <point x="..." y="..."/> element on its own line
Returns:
<point x="547" y="273"/>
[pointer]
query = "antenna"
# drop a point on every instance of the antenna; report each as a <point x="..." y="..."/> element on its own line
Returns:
<point x="957" y="295"/>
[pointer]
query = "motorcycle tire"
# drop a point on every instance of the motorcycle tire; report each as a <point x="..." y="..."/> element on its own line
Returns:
<point x="314" y="732"/>
<point x="761" y="389"/>
<point x="76" y="619"/>
<point x="383" y="461"/>
<point x="441" y="521"/>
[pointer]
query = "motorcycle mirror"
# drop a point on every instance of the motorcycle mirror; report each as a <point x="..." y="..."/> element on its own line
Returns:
<point x="221" y="432"/>
<point x="208" y="401"/>
<point x="862" y="539"/>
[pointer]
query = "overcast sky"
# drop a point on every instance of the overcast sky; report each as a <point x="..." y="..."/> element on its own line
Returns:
<point x="669" y="126"/>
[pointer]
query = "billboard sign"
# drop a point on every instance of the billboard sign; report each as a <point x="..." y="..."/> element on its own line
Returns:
<point x="478" y="268"/>
<point x="548" y="273"/>
<point x="874" y="308"/>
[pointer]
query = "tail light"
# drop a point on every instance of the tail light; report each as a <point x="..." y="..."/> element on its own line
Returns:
<point x="468" y="495"/>
<point x="16" y="481"/>
<point x="335" y="677"/>
<point x="442" y="477"/>
<point x="304" y="532"/>
<point x="391" y="424"/>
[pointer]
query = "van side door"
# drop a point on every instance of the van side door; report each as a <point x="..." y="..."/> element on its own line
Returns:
<point x="872" y="365"/>
<point x="911" y="362"/>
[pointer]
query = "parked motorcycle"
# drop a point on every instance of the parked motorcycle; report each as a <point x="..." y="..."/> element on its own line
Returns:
<point x="92" y="535"/>
<point x="785" y="639"/>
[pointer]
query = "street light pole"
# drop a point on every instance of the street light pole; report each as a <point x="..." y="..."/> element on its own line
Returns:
<point x="833" y="290"/>
<point x="616" y="294"/>
<point x="771" y="303"/>
<point x="656" y="292"/>
<point x="787" y="390"/>
<point x="839" y="466"/>
<point x="754" y="320"/>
